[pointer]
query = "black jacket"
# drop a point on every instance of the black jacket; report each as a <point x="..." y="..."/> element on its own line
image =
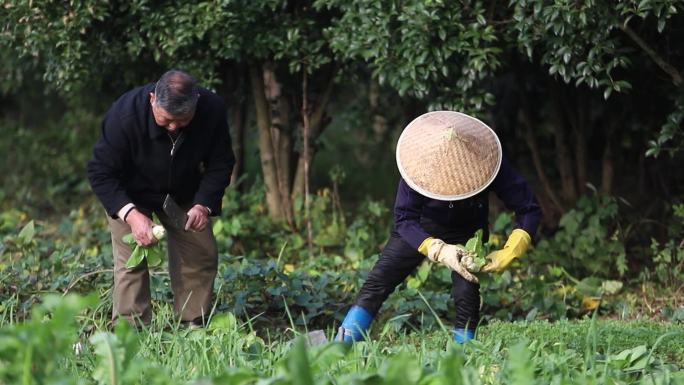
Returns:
<point x="416" y="217"/>
<point x="132" y="160"/>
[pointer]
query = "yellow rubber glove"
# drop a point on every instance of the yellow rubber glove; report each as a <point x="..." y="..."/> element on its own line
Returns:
<point x="448" y="255"/>
<point x="516" y="245"/>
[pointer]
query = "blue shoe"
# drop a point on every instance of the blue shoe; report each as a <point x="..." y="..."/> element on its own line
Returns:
<point x="355" y="324"/>
<point x="462" y="336"/>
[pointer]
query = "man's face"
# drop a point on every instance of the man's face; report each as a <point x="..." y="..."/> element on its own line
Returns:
<point x="166" y="120"/>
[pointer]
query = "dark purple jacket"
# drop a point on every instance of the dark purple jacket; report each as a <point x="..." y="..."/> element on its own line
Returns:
<point x="416" y="216"/>
<point x="132" y="160"/>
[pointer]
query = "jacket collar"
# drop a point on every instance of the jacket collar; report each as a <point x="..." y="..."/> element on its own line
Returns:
<point x="153" y="130"/>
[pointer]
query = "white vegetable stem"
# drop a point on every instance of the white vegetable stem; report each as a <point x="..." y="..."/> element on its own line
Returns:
<point x="158" y="231"/>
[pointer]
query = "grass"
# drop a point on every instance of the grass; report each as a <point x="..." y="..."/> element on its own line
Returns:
<point x="229" y="351"/>
<point x="505" y="352"/>
<point x="606" y="336"/>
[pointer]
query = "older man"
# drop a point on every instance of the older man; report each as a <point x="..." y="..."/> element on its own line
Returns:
<point x="164" y="142"/>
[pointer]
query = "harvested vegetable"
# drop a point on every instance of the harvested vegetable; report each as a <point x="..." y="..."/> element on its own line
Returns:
<point x="152" y="253"/>
<point x="475" y="246"/>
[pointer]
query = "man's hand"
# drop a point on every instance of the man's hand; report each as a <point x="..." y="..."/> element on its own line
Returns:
<point x="450" y="256"/>
<point x="198" y="217"/>
<point x="516" y="245"/>
<point x="141" y="227"/>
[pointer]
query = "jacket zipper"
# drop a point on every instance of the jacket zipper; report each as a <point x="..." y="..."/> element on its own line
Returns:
<point x="175" y="144"/>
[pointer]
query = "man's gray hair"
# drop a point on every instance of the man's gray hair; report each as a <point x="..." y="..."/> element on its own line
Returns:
<point x="176" y="92"/>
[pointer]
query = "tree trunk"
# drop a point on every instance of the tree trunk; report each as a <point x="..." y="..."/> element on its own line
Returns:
<point x="237" y="124"/>
<point x="607" y="169"/>
<point x="305" y="136"/>
<point x="317" y="124"/>
<point x="564" y="161"/>
<point x="555" y="209"/>
<point x="579" y="125"/>
<point x="563" y="158"/>
<point x="607" y="161"/>
<point x="275" y="140"/>
<point x="298" y="182"/>
<point x="281" y="137"/>
<point x="266" y="152"/>
<point x="380" y="126"/>
<point x="581" y="159"/>
<point x="233" y="90"/>
<point x="641" y="172"/>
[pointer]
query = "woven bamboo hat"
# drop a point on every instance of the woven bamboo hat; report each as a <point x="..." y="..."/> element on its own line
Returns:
<point x="448" y="155"/>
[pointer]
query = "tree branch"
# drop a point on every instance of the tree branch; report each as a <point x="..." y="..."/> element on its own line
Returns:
<point x="664" y="65"/>
<point x="317" y="115"/>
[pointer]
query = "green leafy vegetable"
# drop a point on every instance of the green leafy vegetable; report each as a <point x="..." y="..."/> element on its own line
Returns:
<point x="153" y="253"/>
<point x="136" y="257"/>
<point x="476" y="246"/>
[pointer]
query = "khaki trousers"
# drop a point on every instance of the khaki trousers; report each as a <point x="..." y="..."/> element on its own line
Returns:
<point x="193" y="261"/>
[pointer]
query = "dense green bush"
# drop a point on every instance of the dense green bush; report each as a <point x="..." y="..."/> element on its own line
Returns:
<point x="245" y="229"/>
<point x="268" y="272"/>
<point x="44" y="167"/>
<point x="668" y="258"/>
<point x="588" y="240"/>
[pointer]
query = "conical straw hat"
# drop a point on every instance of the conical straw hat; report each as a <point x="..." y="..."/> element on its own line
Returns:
<point x="448" y="155"/>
